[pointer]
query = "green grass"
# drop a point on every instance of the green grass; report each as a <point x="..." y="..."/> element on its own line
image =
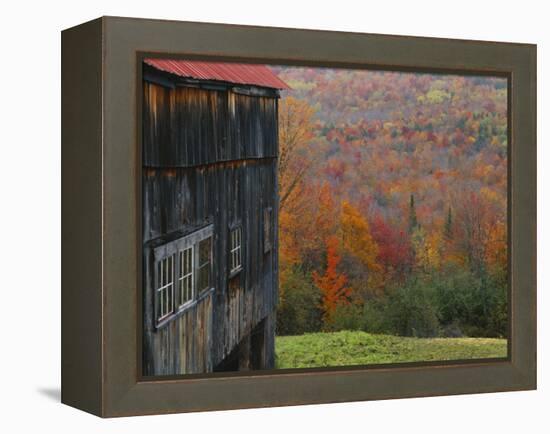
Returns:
<point x="359" y="348"/>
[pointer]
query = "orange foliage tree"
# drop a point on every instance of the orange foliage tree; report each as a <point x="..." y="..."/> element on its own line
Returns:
<point x="496" y="251"/>
<point x="358" y="241"/>
<point x="309" y="218"/>
<point x="332" y="284"/>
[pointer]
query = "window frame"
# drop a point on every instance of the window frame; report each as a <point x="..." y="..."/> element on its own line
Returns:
<point x="201" y="291"/>
<point x="181" y="277"/>
<point x="173" y="249"/>
<point x="164" y="286"/>
<point x="233" y="271"/>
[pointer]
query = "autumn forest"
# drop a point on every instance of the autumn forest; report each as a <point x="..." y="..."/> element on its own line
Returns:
<point x="393" y="203"/>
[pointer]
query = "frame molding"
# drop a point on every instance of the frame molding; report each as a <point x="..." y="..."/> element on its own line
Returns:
<point x="101" y="192"/>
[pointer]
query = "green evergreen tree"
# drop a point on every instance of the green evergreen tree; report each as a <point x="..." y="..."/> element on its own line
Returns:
<point x="413" y="222"/>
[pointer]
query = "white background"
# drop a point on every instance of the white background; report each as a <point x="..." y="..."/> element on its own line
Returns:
<point x="30" y="215"/>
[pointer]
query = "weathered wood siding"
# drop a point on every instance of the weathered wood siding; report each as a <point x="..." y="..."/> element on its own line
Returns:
<point x="210" y="157"/>
<point x="187" y="126"/>
<point x="172" y="349"/>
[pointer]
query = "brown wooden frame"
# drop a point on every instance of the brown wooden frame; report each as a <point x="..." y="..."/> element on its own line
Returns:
<point x="101" y="241"/>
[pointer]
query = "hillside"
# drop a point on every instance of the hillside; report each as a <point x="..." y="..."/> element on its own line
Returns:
<point x="393" y="193"/>
<point x="380" y="136"/>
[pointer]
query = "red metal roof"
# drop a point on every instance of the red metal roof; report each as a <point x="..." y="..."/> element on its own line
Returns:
<point x="239" y="73"/>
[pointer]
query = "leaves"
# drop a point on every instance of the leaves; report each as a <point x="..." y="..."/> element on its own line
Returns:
<point x="331" y="283"/>
<point x="357" y="238"/>
<point x="295" y="133"/>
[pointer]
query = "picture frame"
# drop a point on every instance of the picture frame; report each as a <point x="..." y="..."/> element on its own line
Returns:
<point x="101" y="220"/>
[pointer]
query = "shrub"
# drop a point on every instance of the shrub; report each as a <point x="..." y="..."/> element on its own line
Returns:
<point x="412" y="310"/>
<point x="347" y="317"/>
<point x="299" y="311"/>
<point x="451" y="303"/>
<point x="407" y="310"/>
<point x="374" y="319"/>
<point x="476" y="304"/>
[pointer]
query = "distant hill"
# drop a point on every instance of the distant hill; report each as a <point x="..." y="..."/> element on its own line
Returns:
<point x="384" y="135"/>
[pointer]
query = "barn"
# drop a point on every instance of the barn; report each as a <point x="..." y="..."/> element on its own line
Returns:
<point x="209" y="216"/>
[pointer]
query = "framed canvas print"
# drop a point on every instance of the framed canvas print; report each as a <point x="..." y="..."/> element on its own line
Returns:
<point x="258" y="217"/>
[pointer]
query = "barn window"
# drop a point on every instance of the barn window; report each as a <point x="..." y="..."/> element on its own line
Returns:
<point x="185" y="279"/>
<point x="165" y="288"/>
<point x="204" y="268"/>
<point x="183" y="273"/>
<point x="268" y="229"/>
<point x="235" y="253"/>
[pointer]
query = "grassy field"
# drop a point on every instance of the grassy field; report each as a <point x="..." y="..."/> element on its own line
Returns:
<point x="360" y="348"/>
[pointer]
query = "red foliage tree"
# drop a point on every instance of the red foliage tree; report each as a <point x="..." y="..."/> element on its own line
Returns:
<point x="394" y="246"/>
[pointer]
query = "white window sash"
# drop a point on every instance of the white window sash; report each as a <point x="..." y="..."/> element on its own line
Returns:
<point x="186" y="287"/>
<point x="235" y="251"/>
<point x="170" y="289"/>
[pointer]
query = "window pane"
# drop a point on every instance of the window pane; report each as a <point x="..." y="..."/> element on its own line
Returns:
<point x="204" y="278"/>
<point x="186" y="261"/>
<point x="165" y="288"/>
<point x="185" y="280"/>
<point x="204" y="251"/>
<point x="170" y="269"/>
<point x="235" y="252"/>
<point x="160" y="304"/>
<point x="160" y="274"/>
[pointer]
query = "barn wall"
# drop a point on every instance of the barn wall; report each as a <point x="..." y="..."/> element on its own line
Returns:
<point x="228" y="179"/>
<point x="187" y="126"/>
<point x="172" y="349"/>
